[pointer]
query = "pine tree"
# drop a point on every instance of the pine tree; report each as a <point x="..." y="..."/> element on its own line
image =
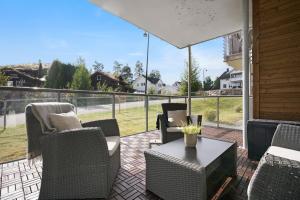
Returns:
<point x="195" y="82"/>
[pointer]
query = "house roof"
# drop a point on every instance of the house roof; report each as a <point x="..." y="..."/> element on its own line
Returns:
<point x="29" y="66"/>
<point x="105" y="74"/>
<point x="225" y="75"/>
<point x="22" y="74"/>
<point x="181" y="23"/>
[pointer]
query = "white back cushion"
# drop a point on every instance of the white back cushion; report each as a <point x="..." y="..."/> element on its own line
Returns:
<point x="177" y="118"/>
<point x="64" y="121"/>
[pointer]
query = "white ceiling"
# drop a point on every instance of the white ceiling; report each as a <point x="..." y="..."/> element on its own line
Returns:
<point x="180" y="22"/>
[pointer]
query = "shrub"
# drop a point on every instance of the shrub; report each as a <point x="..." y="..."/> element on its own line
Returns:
<point x="210" y="115"/>
<point x="238" y="109"/>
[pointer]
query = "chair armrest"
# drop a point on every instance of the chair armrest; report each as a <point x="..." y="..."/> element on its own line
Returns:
<point x="287" y="136"/>
<point x="75" y="148"/>
<point x="195" y="119"/>
<point x="109" y="127"/>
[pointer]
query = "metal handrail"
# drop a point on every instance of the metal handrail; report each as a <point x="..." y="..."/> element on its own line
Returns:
<point x="36" y="89"/>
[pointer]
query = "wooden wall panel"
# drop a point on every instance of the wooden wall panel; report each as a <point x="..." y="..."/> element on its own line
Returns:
<point x="276" y="59"/>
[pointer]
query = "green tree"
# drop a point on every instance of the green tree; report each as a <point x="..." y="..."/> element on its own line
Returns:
<point x="216" y="84"/>
<point x="40" y="70"/>
<point x="81" y="78"/>
<point x="155" y="74"/>
<point x="98" y="67"/>
<point x="195" y="82"/>
<point x="104" y="87"/>
<point x="151" y="90"/>
<point x="208" y="83"/>
<point x="126" y="74"/>
<point x="3" y="79"/>
<point x="117" y="69"/>
<point x="60" y="75"/>
<point x="138" y="71"/>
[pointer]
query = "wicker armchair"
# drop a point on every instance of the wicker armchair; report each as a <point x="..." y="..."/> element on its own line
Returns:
<point x="78" y="163"/>
<point x="169" y="134"/>
<point x="278" y="177"/>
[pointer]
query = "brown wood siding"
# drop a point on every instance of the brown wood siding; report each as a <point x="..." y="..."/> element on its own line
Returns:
<point x="276" y="59"/>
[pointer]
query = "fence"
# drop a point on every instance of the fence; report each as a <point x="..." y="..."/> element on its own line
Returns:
<point x="135" y="112"/>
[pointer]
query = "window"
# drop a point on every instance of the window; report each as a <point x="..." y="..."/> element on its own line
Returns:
<point x="98" y="78"/>
<point x="224" y="86"/>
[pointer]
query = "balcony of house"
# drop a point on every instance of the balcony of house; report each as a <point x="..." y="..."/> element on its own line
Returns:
<point x="233" y="50"/>
<point x="136" y="115"/>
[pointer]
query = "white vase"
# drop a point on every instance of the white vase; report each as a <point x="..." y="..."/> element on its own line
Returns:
<point x="190" y="140"/>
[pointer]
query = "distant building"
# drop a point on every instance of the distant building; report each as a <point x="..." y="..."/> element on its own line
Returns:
<point x="152" y="83"/>
<point x="231" y="79"/>
<point x="25" y="75"/>
<point x="101" y="78"/>
<point x="177" y="84"/>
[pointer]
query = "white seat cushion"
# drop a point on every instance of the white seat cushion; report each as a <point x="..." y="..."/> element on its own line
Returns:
<point x="284" y="153"/>
<point x="113" y="143"/>
<point x="174" y="129"/>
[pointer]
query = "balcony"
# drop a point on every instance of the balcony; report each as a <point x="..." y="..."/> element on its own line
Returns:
<point x="21" y="180"/>
<point x="233" y="50"/>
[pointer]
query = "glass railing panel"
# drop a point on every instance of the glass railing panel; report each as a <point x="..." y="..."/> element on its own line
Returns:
<point x="207" y="108"/>
<point x="155" y="109"/>
<point x="91" y="107"/>
<point x="130" y="113"/>
<point x="178" y="100"/>
<point x="231" y="112"/>
<point x="13" y="137"/>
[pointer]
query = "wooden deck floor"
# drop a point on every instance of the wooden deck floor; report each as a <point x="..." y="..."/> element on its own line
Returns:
<point x="22" y="181"/>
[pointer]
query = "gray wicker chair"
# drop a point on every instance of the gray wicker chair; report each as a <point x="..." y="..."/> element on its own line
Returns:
<point x="76" y="163"/>
<point x="277" y="177"/>
<point x="166" y="135"/>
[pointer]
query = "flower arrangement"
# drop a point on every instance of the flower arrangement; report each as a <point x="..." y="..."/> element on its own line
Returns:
<point x="191" y="133"/>
<point x="191" y="129"/>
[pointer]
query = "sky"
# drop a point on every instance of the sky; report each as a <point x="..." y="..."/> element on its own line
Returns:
<point x="66" y="29"/>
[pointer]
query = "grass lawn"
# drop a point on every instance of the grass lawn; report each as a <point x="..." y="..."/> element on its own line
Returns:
<point x="13" y="141"/>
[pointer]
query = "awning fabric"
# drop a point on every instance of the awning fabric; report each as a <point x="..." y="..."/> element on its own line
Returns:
<point x="181" y="23"/>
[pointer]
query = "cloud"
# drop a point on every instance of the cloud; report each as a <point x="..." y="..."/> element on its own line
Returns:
<point x="136" y="54"/>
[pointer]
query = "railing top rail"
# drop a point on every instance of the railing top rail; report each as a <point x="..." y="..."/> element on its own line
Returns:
<point x="69" y="91"/>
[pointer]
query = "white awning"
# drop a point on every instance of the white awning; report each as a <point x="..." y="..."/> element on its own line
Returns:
<point x="181" y="23"/>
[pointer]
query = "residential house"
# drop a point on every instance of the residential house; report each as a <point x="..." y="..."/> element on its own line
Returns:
<point x="152" y="83"/>
<point x="100" y="78"/>
<point x="26" y="75"/>
<point x="231" y="79"/>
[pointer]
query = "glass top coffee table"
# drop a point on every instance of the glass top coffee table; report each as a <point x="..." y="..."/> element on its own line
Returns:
<point x="176" y="172"/>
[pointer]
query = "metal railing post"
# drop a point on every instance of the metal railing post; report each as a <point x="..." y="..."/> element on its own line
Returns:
<point x="184" y="99"/>
<point x="4" y="116"/>
<point x="58" y="96"/>
<point x="147" y="110"/>
<point x="113" y="106"/>
<point x="169" y="99"/>
<point x="218" y="112"/>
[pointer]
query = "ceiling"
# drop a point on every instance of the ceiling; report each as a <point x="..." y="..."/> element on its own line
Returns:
<point x="181" y="23"/>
